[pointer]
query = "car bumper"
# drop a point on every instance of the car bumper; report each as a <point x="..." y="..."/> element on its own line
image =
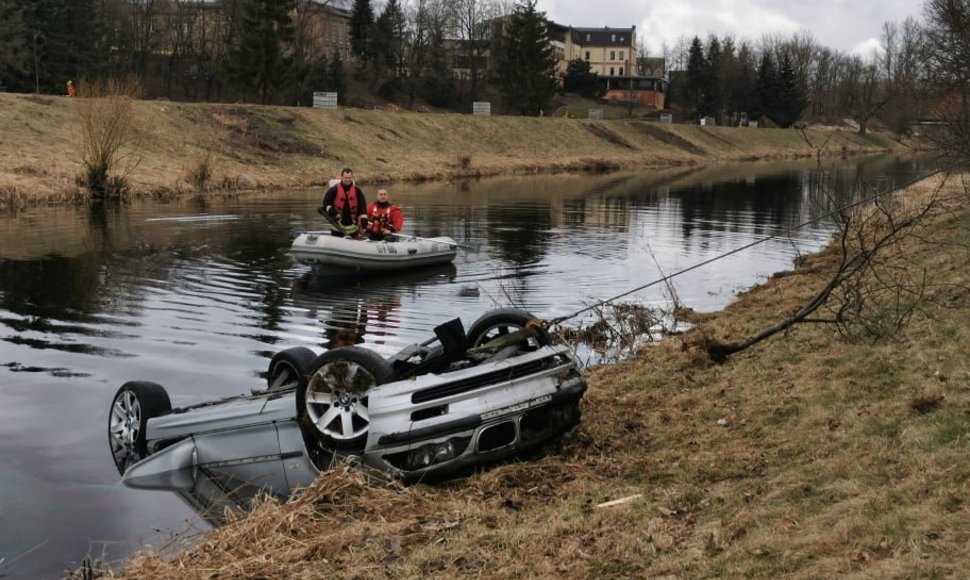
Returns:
<point x="447" y="423"/>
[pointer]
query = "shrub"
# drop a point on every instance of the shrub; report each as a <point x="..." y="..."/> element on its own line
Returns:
<point x="106" y="129"/>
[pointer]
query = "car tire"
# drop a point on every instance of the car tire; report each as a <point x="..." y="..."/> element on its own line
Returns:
<point x="133" y="405"/>
<point x="503" y="321"/>
<point x="331" y="401"/>
<point x="287" y="366"/>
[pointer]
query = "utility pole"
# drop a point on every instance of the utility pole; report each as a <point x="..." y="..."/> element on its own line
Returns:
<point x="36" y="70"/>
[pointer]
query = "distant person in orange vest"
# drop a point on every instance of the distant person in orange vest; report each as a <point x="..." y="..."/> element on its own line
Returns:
<point x="384" y="219"/>
<point x="70" y="88"/>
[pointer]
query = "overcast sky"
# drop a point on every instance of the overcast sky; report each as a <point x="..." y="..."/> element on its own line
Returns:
<point x="846" y="25"/>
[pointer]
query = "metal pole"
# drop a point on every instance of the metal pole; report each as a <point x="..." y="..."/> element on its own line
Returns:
<point x="36" y="70"/>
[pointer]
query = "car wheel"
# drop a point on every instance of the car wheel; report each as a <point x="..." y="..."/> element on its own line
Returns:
<point x="134" y="404"/>
<point x="331" y="402"/>
<point x="502" y="321"/>
<point x="287" y="366"/>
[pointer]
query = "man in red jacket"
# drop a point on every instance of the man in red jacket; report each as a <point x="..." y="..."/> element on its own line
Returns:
<point x="384" y="219"/>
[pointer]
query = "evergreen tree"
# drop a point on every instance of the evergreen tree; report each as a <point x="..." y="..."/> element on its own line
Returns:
<point x="14" y="50"/>
<point x="361" y="29"/>
<point x="317" y="79"/>
<point x="712" y="99"/>
<point x="526" y="64"/>
<point x="437" y="80"/>
<point x="262" y="61"/>
<point x="696" y="76"/>
<point x="780" y="93"/>
<point x="389" y="37"/>
<point x="742" y="85"/>
<point x="578" y="78"/>
<point x="791" y="97"/>
<point x="767" y="85"/>
<point x="337" y="80"/>
<point x="386" y="46"/>
<point x="62" y="40"/>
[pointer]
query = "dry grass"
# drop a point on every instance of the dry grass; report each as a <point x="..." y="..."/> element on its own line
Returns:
<point x="249" y="147"/>
<point x="804" y="457"/>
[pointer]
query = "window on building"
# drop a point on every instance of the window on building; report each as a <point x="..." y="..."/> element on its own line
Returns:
<point x="612" y="38"/>
<point x="621" y="55"/>
<point x="587" y="38"/>
<point x="621" y="71"/>
<point x="587" y="55"/>
<point x="611" y="71"/>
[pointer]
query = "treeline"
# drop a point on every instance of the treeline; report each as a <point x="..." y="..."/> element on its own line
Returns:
<point x="269" y="51"/>
<point x="788" y="79"/>
<point x="449" y="53"/>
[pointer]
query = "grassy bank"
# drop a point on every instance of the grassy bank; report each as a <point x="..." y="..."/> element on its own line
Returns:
<point x="806" y="456"/>
<point x="183" y="148"/>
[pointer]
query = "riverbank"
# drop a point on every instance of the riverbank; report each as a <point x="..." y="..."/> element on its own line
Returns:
<point x="186" y="148"/>
<point x="806" y="456"/>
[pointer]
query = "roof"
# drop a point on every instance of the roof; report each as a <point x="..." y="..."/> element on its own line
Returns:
<point x="604" y="36"/>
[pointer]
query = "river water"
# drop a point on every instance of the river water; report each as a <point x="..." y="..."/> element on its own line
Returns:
<point x="197" y="295"/>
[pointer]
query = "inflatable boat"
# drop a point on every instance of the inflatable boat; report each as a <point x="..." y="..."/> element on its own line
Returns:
<point x="323" y="251"/>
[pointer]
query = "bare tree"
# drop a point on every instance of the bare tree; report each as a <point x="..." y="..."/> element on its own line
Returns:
<point x="677" y="55"/>
<point x="948" y="43"/>
<point x="802" y="49"/>
<point x="824" y="89"/>
<point x="866" y="90"/>
<point x="426" y="22"/>
<point x="142" y="36"/>
<point x="309" y="33"/>
<point x="178" y="24"/>
<point x="904" y="55"/>
<point x="864" y="297"/>
<point x="472" y="20"/>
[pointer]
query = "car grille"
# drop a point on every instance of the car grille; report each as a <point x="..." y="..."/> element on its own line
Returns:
<point x="479" y="381"/>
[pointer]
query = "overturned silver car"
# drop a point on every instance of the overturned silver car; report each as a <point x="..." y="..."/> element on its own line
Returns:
<point x="436" y="408"/>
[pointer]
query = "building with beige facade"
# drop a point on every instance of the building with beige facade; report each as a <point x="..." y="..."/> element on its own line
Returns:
<point x="609" y="51"/>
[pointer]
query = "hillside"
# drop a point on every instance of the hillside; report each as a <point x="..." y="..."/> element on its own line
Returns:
<point x="238" y="147"/>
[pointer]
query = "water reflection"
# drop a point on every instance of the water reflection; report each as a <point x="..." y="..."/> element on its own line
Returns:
<point x="352" y="307"/>
<point x="198" y="296"/>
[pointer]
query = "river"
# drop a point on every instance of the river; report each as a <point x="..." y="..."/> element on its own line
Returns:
<point x="198" y="294"/>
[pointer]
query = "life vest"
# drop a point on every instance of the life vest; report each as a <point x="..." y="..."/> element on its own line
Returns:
<point x="342" y="198"/>
<point x="379" y="218"/>
<point x="383" y="218"/>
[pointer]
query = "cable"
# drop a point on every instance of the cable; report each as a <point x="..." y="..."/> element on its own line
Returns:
<point x="787" y="233"/>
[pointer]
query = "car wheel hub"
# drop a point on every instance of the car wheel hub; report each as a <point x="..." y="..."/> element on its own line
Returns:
<point x="336" y="400"/>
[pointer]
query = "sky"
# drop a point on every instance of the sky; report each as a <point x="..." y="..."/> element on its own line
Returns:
<point x="846" y="25"/>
